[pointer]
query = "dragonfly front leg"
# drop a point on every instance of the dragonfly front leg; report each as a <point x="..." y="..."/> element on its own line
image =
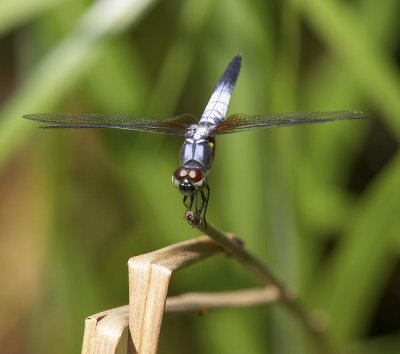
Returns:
<point x="200" y="206"/>
<point x="188" y="204"/>
<point x="191" y="216"/>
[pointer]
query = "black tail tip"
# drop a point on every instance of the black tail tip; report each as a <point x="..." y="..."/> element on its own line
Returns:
<point x="236" y="61"/>
<point x="237" y="57"/>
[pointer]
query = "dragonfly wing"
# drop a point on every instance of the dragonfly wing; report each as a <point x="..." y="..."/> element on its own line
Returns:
<point x="239" y="121"/>
<point x="173" y="126"/>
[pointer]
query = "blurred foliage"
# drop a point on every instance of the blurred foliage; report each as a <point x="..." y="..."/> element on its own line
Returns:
<point x="319" y="204"/>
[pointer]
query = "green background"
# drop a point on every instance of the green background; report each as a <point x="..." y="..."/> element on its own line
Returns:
<point x="319" y="204"/>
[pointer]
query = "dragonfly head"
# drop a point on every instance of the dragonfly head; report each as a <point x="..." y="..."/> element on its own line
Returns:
<point x="188" y="180"/>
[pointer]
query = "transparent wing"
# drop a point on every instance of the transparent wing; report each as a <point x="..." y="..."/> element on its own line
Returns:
<point x="173" y="126"/>
<point x="239" y="122"/>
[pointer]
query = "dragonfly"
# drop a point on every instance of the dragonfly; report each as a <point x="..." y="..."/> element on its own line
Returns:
<point x="198" y="149"/>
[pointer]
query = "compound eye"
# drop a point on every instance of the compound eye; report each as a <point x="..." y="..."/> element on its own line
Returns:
<point x="180" y="173"/>
<point x="195" y="174"/>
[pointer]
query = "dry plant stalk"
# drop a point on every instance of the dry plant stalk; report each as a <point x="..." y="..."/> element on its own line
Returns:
<point x="149" y="277"/>
<point x="103" y="331"/>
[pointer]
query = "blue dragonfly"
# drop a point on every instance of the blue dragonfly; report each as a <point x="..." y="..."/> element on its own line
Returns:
<point x="197" y="152"/>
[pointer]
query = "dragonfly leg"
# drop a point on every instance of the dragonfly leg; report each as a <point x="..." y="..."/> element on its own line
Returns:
<point x="184" y="202"/>
<point x="188" y="204"/>
<point x="205" y="198"/>
<point x="200" y="207"/>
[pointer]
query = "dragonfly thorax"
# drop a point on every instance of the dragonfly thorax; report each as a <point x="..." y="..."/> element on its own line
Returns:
<point x="189" y="180"/>
<point x="197" y="150"/>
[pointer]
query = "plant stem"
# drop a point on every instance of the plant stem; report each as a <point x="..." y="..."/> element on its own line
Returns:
<point x="235" y="248"/>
